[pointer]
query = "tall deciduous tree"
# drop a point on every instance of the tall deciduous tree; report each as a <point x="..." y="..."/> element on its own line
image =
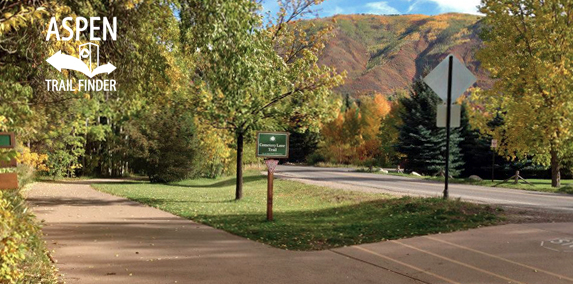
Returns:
<point x="65" y="124"/>
<point x="528" y="49"/>
<point x="388" y="135"/>
<point x="251" y="75"/>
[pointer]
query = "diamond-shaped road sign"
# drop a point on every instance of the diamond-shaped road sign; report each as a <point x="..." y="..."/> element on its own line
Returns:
<point x="462" y="78"/>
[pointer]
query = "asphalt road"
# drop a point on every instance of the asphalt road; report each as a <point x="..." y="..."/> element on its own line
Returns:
<point x="346" y="178"/>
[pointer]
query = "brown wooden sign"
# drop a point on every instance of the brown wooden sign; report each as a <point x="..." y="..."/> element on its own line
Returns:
<point x="9" y="164"/>
<point x="9" y="181"/>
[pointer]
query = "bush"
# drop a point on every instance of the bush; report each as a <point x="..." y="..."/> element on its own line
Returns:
<point x="315" y="158"/>
<point x="370" y="164"/>
<point x="163" y="145"/>
<point x="23" y="256"/>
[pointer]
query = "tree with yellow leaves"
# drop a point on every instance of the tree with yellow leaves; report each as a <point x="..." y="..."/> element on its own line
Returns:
<point x="528" y="51"/>
<point x="353" y="136"/>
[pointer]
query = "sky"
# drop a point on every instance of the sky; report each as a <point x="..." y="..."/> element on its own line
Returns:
<point x="427" y="7"/>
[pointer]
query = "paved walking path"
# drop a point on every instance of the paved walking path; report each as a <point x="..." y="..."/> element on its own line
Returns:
<point x="100" y="238"/>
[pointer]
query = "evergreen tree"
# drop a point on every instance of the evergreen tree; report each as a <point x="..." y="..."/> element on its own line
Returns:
<point x="420" y="140"/>
<point x="478" y="155"/>
<point x="476" y="149"/>
<point x="302" y="144"/>
<point x="303" y="141"/>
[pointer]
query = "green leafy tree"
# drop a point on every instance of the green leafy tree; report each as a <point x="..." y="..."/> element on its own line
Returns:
<point x="68" y="125"/>
<point x="252" y="76"/>
<point x="163" y="144"/>
<point x="149" y="73"/>
<point x="528" y="51"/>
<point x="420" y="140"/>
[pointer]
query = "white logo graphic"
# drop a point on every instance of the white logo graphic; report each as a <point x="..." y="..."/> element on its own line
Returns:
<point x="63" y="61"/>
<point x="273" y="138"/>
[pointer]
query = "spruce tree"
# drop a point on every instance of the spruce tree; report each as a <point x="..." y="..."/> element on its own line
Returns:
<point x="420" y="140"/>
<point x="475" y="147"/>
<point x="302" y="144"/>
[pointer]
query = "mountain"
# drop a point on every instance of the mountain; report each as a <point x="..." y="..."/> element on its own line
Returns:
<point x="385" y="53"/>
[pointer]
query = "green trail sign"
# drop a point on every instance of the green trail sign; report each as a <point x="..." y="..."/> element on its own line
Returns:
<point x="8" y="180"/>
<point x="7" y="140"/>
<point x="272" y="144"/>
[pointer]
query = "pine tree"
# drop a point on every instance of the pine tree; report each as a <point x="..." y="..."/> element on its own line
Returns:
<point x="420" y="140"/>
<point x="302" y="143"/>
<point x="475" y="147"/>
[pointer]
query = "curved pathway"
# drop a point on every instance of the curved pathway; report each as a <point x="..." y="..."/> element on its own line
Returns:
<point x="100" y="238"/>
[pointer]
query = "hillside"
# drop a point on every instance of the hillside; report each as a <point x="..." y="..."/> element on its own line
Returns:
<point x="385" y="53"/>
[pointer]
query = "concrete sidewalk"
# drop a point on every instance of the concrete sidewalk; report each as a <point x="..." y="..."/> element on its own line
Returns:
<point x="100" y="238"/>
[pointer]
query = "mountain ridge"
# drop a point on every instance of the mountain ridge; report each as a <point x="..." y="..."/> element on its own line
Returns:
<point x="384" y="53"/>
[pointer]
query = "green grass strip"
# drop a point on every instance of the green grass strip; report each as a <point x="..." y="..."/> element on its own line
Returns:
<point x="307" y="217"/>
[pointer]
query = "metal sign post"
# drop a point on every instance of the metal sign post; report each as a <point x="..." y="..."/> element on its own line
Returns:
<point x="493" y="146"/>
<point x="272" y="145"/>
<point x="458" y="81"/>
<point x="448" y="123"/>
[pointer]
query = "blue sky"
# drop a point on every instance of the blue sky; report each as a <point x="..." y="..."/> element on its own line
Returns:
<point x="427" y="7"/>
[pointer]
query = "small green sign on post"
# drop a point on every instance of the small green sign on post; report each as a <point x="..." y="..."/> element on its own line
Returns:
<point x="7" y="140"/>
<point x="272" y="144"/>
<point x="8" y="180"/>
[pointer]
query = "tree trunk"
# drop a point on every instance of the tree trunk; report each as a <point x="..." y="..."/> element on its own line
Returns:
<point x="555" y="169"/>
<point x="239" y="187"/>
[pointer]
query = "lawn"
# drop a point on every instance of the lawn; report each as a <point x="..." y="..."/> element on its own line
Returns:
<point x="543" y="185"/>
<point x="307" y="217"/>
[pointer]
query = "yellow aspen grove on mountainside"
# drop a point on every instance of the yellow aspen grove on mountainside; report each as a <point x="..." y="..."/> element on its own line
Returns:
<point x="528" y="50"/>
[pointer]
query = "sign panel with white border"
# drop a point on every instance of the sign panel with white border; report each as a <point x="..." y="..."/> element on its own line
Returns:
<point x="272" y="144"/>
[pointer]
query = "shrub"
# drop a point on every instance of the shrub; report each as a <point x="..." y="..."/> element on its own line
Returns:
<point x="315" y="158"/>
<point x="163" y="145"/>
<point x="23" y="256"/>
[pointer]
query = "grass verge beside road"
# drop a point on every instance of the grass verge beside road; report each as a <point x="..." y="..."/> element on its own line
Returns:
<point x="307" y="217"/>
<point x="542" y="185"/>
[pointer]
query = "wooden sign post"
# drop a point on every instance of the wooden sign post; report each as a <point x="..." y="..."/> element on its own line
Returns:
<point x="271" y="166"/>
<point x="8" y="180"/>
<point x="272" y="145"/>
